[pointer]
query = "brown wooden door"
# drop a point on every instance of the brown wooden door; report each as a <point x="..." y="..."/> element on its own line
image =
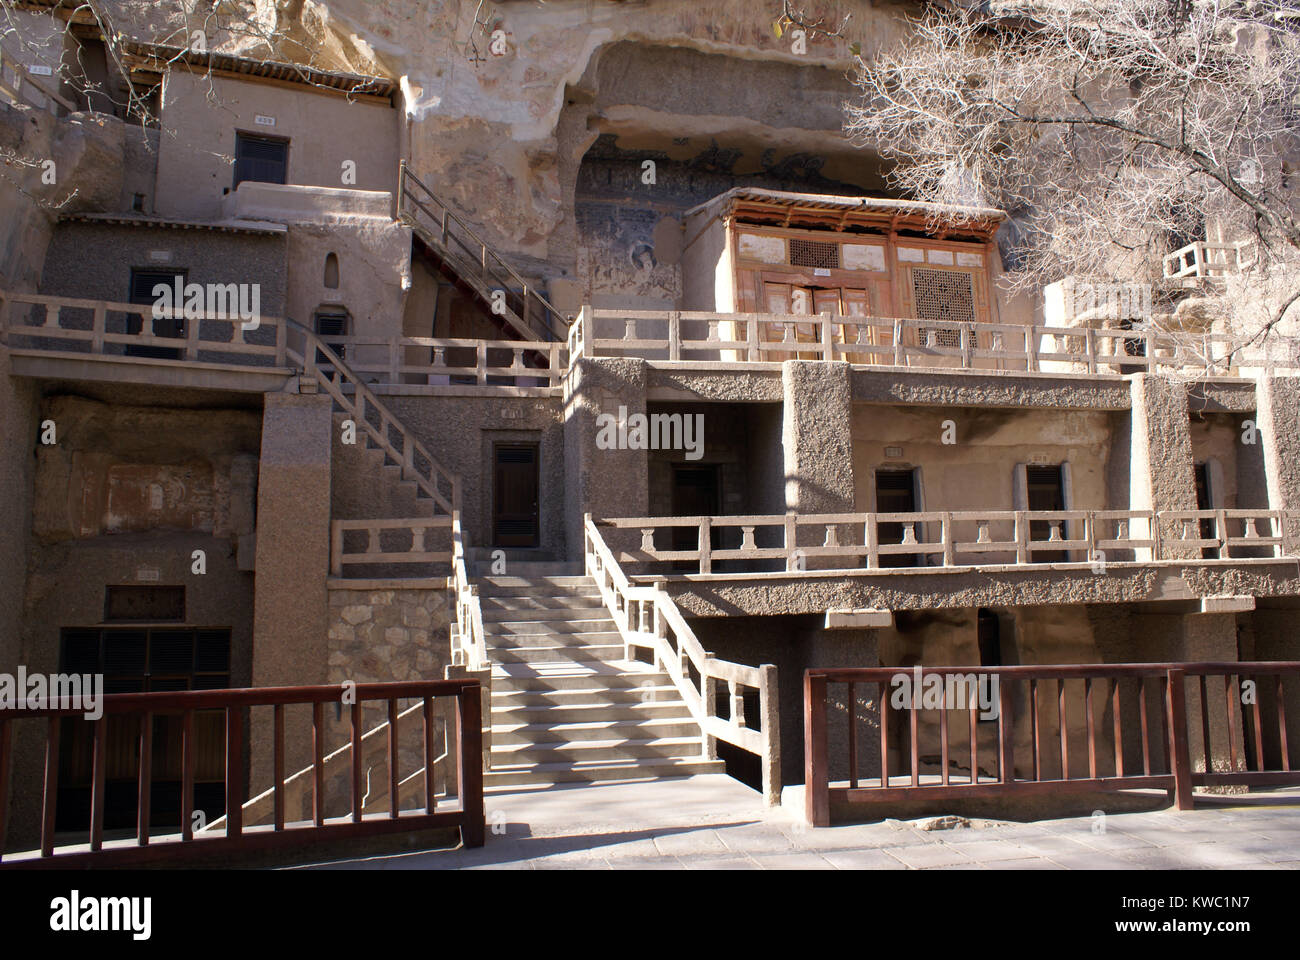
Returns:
<point x="514" y="495"/>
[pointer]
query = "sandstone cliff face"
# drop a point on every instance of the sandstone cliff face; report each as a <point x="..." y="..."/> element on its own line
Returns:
<point x="87" y="175"/>
<point x="501" y="133"/>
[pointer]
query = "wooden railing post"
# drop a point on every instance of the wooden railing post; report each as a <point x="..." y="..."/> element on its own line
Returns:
<point x="706" y="545"/>
<point x="1181" y="794"/>
<point x="6" y="764"/>
<point x="674" y="335"/>
<point x="234" y="772"/>
<point x="816" y="769"/>
<point x="469" y="765"/>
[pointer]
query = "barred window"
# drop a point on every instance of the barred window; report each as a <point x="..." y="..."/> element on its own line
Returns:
<point x="813" y="253"/>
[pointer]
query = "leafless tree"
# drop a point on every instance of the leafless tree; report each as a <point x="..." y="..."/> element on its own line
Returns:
<point x="1113" y="132"/>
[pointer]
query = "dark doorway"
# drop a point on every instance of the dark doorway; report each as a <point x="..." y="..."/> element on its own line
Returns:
<point x="1045" y="490"/>
<point x="137" y="660"/>
<point x="261" y="159"/>
<point x="896" y="493"/>
<point x="1204" y="501"/>
<point x="515" y="495"/>
<point x="143" y="283"/>
<point x="696" y="493"/>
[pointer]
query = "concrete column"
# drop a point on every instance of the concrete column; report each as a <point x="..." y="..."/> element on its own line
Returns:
<point x="1277" y="419"/>
<point x="841" y="648"/>
<point x="1211" y="637"/>
<point x="291" y="603"/>
<point x="1162" y="476"/>
<point x="602" y="478"/>
<point x="817" y="437"/>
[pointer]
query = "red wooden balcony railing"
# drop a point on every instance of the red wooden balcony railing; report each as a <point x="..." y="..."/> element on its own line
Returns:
<point x="234" y="838"/>
<point x="1031" y="730"/>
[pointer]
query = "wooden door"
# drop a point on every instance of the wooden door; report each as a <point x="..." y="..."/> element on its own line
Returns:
<point x="515" y="495"/>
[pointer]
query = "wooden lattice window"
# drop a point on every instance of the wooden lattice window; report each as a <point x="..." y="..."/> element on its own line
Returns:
<point x="944" y="295"/>
<point x="814" y="253"/>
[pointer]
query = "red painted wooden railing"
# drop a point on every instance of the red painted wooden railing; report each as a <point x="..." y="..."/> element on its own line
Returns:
<point x="1040" y="711"/>
<point x="236" y="839"/>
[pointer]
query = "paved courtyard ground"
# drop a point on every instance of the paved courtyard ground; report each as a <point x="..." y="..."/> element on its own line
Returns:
<point x="715" y="823"/>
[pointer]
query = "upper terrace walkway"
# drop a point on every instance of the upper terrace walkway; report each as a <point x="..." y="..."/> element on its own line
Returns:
<point x="69" y="338"/>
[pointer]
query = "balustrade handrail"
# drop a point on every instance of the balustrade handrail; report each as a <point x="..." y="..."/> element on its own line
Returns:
<point x="829" y="339"/>
<point x="234" y="702"/>
<point x="418" y="553"/>
<point x="99" y="337"/>
<point x="395" y="364"/>
<point x="647" y="617"/>
<point x="469" y="640"/>
<point x="1080" y="531"/>
<point x="331" y="380"/>
<point x="553" y="323"/>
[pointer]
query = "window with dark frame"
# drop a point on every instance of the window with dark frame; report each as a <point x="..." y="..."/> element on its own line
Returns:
<point x="145" y="658"/>
<point x="331" y="323"/>
<point x="260" y="159"/>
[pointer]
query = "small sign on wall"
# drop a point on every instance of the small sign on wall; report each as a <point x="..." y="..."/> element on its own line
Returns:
<point x="148" y="573"/>
<point x="160" y="256"/>
<point x="263" y="121"/>
<point x="40" y="70"/>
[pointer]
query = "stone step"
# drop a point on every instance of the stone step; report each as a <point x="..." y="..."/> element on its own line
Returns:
<point x="590" y="712"/>
<point x="516" y="641"/>
<point x="556" y="654"/>
<point x="555" y="628"/>
<point x="575" y="608"/>
<point x="576" y="751"/>
<point x="545" y="677"/>
<point x="527" y="569"/>
<point x="590" y="731"/>
<point x="505" y="586"/>
<point x="649" y="693"/>
<point x="645" y="769"/>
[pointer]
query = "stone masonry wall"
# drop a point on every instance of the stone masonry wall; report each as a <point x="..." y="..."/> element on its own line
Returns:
<point x="383" y="635"/>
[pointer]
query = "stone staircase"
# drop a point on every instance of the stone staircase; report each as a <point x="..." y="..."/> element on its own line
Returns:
<point x="566" y="706"/>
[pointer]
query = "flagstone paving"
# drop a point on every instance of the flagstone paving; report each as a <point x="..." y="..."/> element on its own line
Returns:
<point x="713" y="822"/>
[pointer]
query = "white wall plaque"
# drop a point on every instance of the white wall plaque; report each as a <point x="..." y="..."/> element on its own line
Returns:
<point x="160" y="256"/>
<point x="765" y="249"/>
<point x="970" y="259"/>
<point x="941" y="256"/>
<point x="861" y="256"/>
<point x="911" y="255"/>
<point x="147" y="573"/>
<point x="262" y="121"/>
<point x="40" y="70"/>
